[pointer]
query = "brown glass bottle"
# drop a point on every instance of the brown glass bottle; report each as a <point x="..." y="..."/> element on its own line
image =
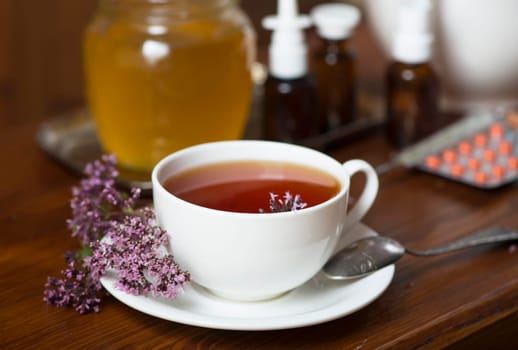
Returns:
<point x="412" y="102"/>
<point x="334" y="67"/>
<point x="289" y="109"/>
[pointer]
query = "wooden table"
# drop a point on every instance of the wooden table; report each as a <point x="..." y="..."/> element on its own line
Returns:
<point x="468" y="300"/>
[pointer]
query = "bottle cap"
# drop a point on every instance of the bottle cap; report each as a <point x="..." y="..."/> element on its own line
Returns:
<point x="335" y="21"/>
<point x="413" y="37"/>
<point x="288" y="51"/>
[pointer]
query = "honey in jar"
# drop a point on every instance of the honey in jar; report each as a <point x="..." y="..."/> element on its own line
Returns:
<point x="162" y="75"/>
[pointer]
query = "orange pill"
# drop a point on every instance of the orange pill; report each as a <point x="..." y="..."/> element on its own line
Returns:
<point x="449" y="156"/>
<point x="489" y="155"/>
<point x="512" y="163"/>
<point x="456" y="170"/>
<point x="464" y="147"/>
<point x="498" y="171"/>
<point x="480" y="177"/>
<point x="473" y="163"/>
<point x="496" y="130"/>
<point x="505" y="147"/>
<point x="480" y="139"/>
<point x="432" y="162"/>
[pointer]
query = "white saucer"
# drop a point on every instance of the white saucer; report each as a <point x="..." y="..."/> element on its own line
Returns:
<point x="317" y="301"/>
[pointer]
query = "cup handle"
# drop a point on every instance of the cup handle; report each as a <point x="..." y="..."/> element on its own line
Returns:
<point x="369" y="192"/>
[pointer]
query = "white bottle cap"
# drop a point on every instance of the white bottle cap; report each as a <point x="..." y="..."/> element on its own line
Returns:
<point x="335" y="21"/>
<point x="413" y="37"/>
<point x="287" y="52"/>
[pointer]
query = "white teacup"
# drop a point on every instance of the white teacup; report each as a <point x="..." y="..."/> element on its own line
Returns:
<point x="254" y="256"/>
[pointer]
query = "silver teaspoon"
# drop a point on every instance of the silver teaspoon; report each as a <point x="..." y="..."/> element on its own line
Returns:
<point x="372" y="253"/>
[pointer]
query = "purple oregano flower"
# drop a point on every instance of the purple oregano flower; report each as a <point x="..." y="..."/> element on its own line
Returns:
<point x="287" y="203"/>
<point x="77" y="288"/>
<point x="115" y="236"/>
<point x="96" y="202"/>
<point x="136" y="249"/>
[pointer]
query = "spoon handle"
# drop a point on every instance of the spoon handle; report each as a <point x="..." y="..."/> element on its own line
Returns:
<point x="486" y="236"/>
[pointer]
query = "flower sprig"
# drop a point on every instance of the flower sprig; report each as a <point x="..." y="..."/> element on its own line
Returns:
<point x="135" y="248"/>
<point x="117" y="236"/>
<point x="76" y="288"/>
<point x="287" y="203"/>
<point x="96" y="203"/>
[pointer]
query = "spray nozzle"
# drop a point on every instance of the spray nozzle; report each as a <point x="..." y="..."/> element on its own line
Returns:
<point x="287" y="17"/>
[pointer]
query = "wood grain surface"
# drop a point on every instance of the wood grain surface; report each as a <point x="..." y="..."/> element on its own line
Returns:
<point x="431" y="303"/>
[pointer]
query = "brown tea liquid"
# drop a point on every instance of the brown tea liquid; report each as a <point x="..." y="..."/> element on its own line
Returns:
<point x="246" y="186"/>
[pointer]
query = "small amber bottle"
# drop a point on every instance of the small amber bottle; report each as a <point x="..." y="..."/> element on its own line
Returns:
<point x="289" y="109"/>
<point x="412" y="95"/>
<point x="334" y="64"/>
<point x="289" y="106"/>
<point x="412" y="88"/>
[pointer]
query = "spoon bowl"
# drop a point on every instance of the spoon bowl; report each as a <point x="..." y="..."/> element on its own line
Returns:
<point x="363" y="257"/>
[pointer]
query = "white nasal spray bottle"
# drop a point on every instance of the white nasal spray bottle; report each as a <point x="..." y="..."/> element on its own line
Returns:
<point x="289" y="99"/>
<point x="287" y="51"/>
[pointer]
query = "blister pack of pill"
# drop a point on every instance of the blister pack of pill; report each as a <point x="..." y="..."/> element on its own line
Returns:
<point x="485" y="158"/>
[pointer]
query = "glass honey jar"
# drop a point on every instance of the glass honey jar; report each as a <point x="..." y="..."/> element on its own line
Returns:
<point x="162" y="75"/>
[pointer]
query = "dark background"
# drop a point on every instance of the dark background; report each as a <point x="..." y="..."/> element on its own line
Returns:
<point x="40" y="53"/>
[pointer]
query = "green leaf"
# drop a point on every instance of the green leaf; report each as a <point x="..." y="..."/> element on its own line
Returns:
<point x="85" y="251"/>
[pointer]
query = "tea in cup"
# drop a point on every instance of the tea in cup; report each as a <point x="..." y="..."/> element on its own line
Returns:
<point x="251" y="220"/>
